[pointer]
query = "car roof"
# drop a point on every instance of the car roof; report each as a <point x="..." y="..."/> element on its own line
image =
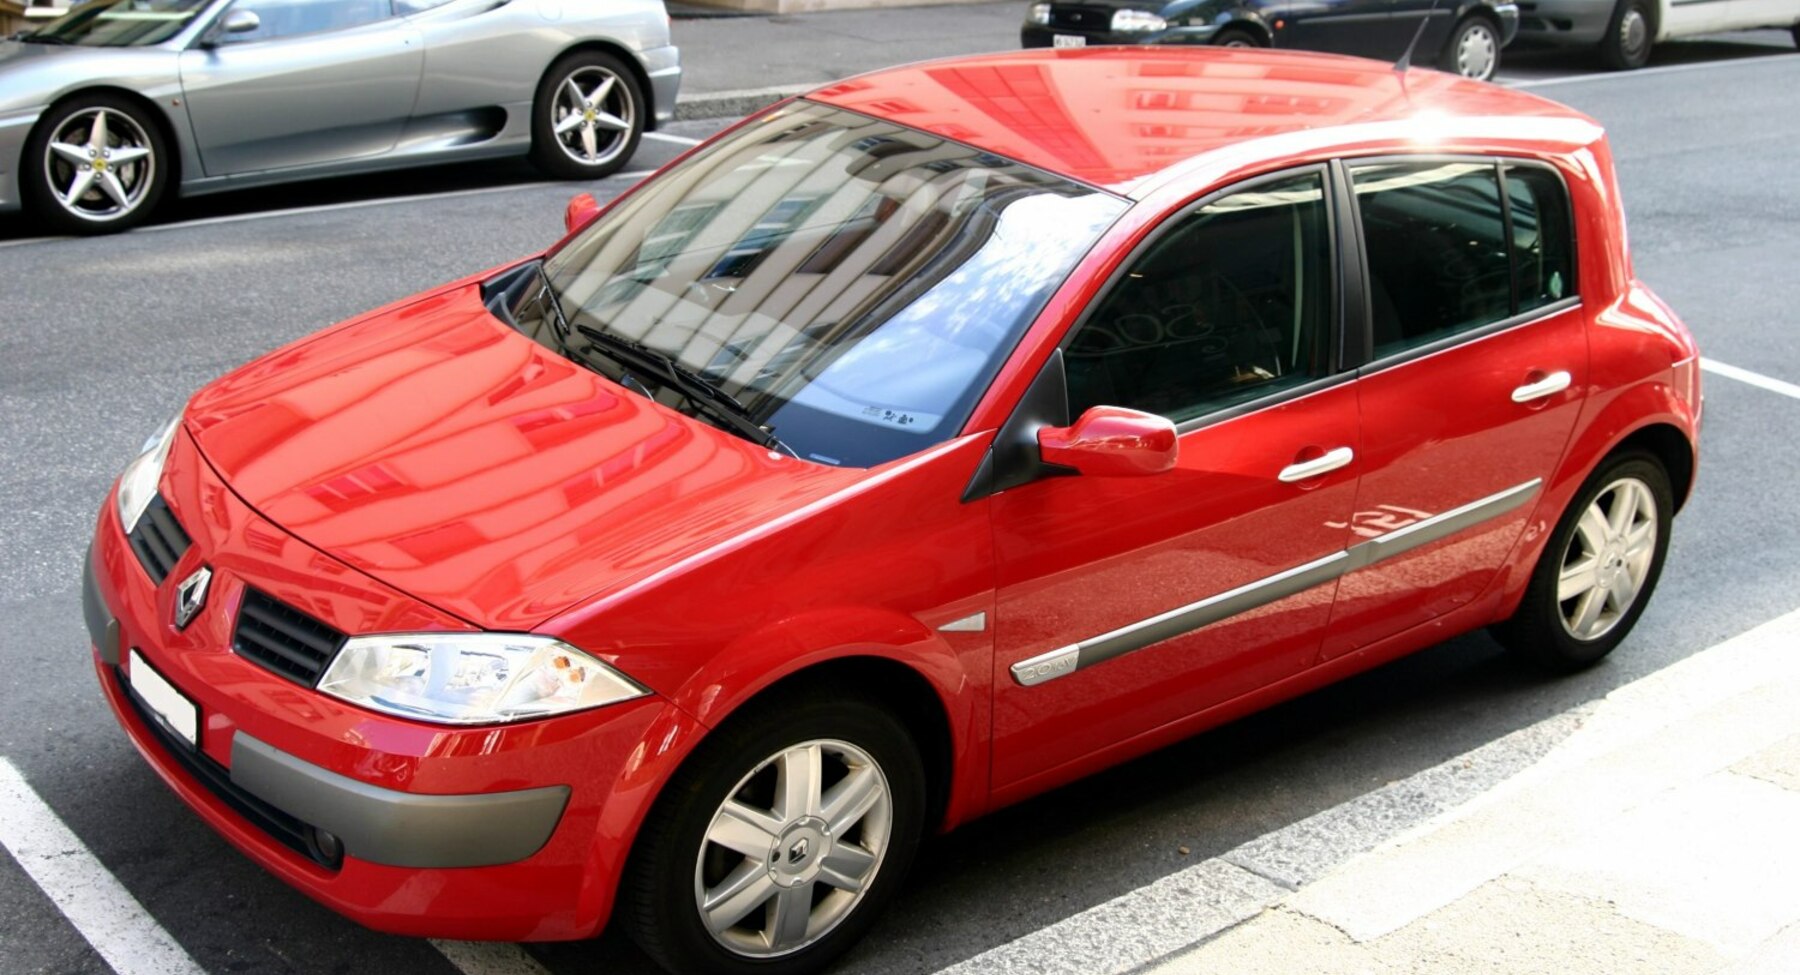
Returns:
<point x="1127" y="118"/>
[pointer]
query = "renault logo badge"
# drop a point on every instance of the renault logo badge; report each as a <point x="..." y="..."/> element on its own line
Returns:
<point x="190" y="596"/>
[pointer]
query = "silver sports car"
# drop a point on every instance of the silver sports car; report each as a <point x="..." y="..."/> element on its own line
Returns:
<point x="105" y="109"/>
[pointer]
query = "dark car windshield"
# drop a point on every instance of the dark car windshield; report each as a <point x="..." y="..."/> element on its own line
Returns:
<point x="852" y="283"/>
<point x="119" y="23"/>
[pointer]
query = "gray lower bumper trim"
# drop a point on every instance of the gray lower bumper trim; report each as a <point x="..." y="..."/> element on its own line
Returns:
<point x="399" y="828"/>
<point x="103" y="629"/>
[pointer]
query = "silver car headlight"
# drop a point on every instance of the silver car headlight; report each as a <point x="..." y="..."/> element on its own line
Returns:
<point x="1038" y="14"/>
<point x="1137" y="20"/>
<point x="137" y="485"/>
<point x="472" y="678"/>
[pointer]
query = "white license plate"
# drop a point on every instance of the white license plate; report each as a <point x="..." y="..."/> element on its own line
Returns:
<point x="176" y="711"/>
<point x="1068" y="40"/>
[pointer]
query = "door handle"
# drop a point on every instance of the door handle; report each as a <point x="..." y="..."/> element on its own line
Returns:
<point x="1550" y="385"/>
<point x="1330" y="461"/>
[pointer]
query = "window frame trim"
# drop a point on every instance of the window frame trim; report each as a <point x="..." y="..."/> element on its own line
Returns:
<point x="1337" y="370"/>
<point x="1364" y="327"/>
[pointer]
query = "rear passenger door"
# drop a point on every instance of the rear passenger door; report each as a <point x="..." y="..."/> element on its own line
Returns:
<point x="1476" y="359"/>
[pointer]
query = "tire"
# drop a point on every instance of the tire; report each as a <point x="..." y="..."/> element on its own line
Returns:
<point x="856" y="748"/>
<point x="95" y="164"/>
<point x="1598" y="559"/>
<point x="1473" y="50"/>
<point x="1626" y="44"/>
<point x="1236" y="37"/>
<point x="597" y="98"/>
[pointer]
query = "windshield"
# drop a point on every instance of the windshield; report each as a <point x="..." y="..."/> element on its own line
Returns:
<point x="854" y="284"/>
<point x="119" y="23"/>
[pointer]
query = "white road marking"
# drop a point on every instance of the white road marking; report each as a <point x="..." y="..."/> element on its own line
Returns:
<point x="680" y="140"/>
<point x="489" y="958"/>
<point x="1758" y="380"/>
<point x="1775" y="54"/>
<point x="105" y="913"/>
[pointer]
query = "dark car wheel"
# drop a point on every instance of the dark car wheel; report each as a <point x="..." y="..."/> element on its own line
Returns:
<point x="777" y="844"/>
<point x="1598" y="572"/>
<point x="1236" y="37"/>
<point x="95" y="164"/>
<point x="1628" y="38"/>
<point x="1473" y="50"/>
<point x="587" y="118"/>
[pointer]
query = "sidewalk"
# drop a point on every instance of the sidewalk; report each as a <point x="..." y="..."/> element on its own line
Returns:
<point x="1663" y="836"/>
<point x="732" y="65"/>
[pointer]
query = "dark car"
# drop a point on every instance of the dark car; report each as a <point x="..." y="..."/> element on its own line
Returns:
<point x="1461" y="36"/>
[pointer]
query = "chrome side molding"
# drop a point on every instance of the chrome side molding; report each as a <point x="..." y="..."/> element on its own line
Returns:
<point x="1064" y="661"/>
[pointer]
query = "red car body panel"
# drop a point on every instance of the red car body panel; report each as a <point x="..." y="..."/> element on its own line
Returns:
<point x="425" y="467"/>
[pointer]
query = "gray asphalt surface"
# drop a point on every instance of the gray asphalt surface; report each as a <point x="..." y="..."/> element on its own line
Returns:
<point x="101" y="339"/>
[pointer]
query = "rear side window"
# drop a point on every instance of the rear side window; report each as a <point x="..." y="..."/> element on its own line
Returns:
<point x="1447" y="254"/>
<point x="1542" y="244"/>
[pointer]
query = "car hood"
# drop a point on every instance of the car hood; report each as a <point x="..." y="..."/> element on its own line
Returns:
<point x="34" y="75"/>
<point x="436" y="449"/>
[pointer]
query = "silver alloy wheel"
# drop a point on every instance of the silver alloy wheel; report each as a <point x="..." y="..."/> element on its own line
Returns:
<point x="1238" y="42"/>
<point x="99" y="164"/>
<point x="592" y="115"/>
<point x="1609" y="557"/>
<point x="1477" y="52"/>
<point x="1634" y="33"/>
<point x="793" y="848"/>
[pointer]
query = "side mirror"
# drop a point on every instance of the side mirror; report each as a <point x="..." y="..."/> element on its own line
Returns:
<point x="241" y="22"/>
<point x="1111" y="441"/>
<point x="581" y="209"/>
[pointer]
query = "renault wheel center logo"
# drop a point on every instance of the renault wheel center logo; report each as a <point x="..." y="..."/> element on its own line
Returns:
<point x="190" y="596"/>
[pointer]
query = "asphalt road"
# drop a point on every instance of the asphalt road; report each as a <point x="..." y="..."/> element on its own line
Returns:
<point x="101" y="339"/>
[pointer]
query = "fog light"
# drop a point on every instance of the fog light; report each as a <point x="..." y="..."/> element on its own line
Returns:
<point x="328" y="848"/>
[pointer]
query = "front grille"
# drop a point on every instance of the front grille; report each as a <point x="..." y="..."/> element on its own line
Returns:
<point x="216" y="779"/>
<point x="159" y="540"/>
<point x="1072" y="17"/>
<point x="283" y="639"/>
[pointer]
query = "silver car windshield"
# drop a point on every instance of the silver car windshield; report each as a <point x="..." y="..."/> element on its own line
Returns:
<point x="120" y="23"/>
<point x="852" y="283"/>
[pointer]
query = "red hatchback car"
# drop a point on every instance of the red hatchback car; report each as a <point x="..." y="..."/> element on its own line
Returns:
<point x="906" y="450"/>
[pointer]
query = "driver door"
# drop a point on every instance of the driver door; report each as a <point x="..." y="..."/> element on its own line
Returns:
<point x="1127" y="604"/>
<point x="316" y="82"/>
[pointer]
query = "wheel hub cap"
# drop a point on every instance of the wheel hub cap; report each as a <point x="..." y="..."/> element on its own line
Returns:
<point x="797" y="854"/>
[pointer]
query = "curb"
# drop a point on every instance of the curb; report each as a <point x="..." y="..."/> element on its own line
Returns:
<point x="732" y="104"/>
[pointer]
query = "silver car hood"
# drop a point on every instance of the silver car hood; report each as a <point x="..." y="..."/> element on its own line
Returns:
<point x="34" y="75"/>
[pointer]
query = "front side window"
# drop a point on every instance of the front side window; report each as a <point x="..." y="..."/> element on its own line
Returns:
<point x="1228" y="305"/>
<point x="293" y="18"/>
<point x="852" y="284"/>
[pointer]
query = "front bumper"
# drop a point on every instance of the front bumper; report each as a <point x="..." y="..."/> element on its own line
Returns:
<point x="14" y="130"/>
<point x="516" y="832"/>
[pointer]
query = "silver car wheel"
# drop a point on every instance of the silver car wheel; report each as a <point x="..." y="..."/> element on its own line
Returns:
<point x="1608" y="558"/>
<point x="1634" y="33"/>
<point x="592" y="115"/>
<point x="1477" y="52"/>
<point x="99" y="164"/>
<point x="793" y="848"/>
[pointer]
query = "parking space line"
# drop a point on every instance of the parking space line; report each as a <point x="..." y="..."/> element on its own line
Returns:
<point x="677" y="139"/>
<point x="102" y="910"/>
<point x="1756" y="379"/>
<point x="1775" y="54"/>
<point x="489" y="958"/>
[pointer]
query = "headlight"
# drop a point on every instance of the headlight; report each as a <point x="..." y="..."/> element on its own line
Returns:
<point x="1038" y="14"/>
<point x="1137" y="20"/>
<point x="137" y="485"/>
<point x="472" y="678"/>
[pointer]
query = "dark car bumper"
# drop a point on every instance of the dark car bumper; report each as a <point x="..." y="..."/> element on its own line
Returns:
<point x="1571" y="22"/>
<point x="1038" y="35"/>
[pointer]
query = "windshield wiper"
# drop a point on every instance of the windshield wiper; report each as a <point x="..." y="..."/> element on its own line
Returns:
<point x="41" y="39"/>
<point x="697" y="388"/>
